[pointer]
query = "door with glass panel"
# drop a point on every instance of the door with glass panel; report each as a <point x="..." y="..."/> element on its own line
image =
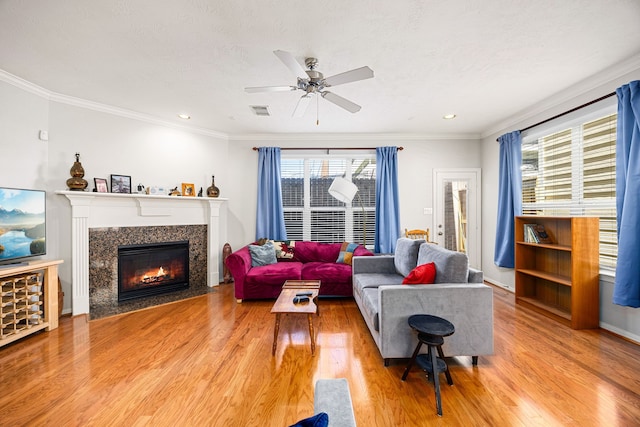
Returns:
<point x="457" y="212"/>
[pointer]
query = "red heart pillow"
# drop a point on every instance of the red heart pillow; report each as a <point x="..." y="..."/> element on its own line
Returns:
<point x="424" y="274"/>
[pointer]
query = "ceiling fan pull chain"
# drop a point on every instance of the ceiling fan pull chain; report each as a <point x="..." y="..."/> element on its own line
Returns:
<point x="317" y="111"/>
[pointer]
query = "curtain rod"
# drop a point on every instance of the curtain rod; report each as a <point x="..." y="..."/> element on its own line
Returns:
<point x="328" y="148"/>
<point x="568" y="111"/>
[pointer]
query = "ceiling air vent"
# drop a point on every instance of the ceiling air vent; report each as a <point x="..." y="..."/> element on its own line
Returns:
<point x="260" y="110"/>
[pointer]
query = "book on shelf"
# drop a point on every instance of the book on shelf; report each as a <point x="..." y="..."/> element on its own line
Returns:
<point x="535" y="233"/>
<point x="529" y="235"/>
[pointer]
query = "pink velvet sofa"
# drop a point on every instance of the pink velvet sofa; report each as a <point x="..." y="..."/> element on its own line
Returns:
<point x="311" y="261"/>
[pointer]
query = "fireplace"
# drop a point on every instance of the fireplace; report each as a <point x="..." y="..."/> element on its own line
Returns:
<point x="104" y="221"/>
<point x="152" y="269"/>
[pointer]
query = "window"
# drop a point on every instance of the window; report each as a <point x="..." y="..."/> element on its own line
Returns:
<point x="311" y="213"/>
<point x="568" y="169"/>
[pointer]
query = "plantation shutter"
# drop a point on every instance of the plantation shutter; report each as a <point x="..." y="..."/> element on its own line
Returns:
<point x="363" y="175"/>
<point x="556" y="168"/>
<point x="599" y="165"/>
<point x="571" y="172"/>
<point x="311" y="213"/>
<point x="292" y="180"/>
<point x="328" y="215"/>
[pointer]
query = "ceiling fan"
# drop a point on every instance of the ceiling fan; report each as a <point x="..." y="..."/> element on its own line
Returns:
<point x="313" y="82"/>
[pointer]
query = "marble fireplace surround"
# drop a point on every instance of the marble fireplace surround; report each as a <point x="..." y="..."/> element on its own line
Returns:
<point x="103" y="265"/>
<point x="102" y="210"/>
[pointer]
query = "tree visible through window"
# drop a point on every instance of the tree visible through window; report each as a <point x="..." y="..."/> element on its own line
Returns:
<point x="311" y="213"/>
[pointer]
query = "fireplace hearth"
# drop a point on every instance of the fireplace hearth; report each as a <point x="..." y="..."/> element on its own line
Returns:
<point x="152" y="269"/>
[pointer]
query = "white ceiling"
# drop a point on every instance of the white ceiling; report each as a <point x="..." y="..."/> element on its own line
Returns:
<point x="482" y="60"/>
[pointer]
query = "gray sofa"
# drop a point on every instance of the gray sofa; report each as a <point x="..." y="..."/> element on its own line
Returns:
<point x="458" y="295"/>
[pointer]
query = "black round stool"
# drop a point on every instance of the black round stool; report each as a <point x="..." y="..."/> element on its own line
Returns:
<point x="431" y="331"/>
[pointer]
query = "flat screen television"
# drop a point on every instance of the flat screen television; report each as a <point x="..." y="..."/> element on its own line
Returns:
<point x="22" y="224"/>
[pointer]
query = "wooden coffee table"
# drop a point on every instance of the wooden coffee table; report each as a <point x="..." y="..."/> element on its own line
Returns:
<point x="285" y="305"/>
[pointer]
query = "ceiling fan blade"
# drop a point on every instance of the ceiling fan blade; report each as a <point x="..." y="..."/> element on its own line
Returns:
<point x="269" y="89"/>
<point x="341" y="102"/>
<point x="361" y="73"/>
<point x="291" y="63"/>
<point x="302" y="105"/>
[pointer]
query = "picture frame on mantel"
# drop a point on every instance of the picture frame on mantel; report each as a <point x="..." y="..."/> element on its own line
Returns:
<point x="121" y="184"/>
<point x="188" y="189"/>
<point x="101" y="185"/>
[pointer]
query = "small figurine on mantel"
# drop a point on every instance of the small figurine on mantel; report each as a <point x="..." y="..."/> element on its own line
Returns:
<point x="77" y="182"/>
<point x="200" y="192"/>
<point x="213" y="191"/>
<point x="175" y="192"/>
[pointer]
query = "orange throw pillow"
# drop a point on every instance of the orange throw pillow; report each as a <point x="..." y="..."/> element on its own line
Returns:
<point x="424" y="274"/>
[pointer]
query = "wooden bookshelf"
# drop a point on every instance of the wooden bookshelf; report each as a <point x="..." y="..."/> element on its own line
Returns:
<point x="560" y="279"/>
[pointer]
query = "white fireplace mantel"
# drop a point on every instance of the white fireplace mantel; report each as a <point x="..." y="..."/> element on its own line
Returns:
<point x="96" y="210"/>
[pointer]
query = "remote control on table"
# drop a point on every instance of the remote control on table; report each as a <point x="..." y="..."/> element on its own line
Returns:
<point x="304" y="294"/>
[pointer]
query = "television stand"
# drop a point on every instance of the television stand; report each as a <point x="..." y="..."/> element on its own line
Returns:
<point x="13" y="264"/>
<point x="29" y="299"/>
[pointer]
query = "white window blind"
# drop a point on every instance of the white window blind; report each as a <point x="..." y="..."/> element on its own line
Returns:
<point x="311" y="213"/>
<point x="569" y="170"/>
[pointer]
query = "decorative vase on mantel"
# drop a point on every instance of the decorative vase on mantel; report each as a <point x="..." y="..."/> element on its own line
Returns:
<point x="213" y="191"/>
<point x="77" y="182"/>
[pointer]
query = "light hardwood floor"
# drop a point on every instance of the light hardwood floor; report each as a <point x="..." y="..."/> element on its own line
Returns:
<point x="207" y="362"/>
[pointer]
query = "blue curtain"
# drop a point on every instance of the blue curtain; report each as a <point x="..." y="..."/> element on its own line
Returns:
<point x="270" y="214"/>
<point x="387" y="200"/>
<point x="509" y="197"/>
<point x="626" y="288"/>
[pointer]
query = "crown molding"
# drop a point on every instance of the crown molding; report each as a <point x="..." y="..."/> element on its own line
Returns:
<point x="353" y="137"/>
<point x="595" y="82"/>
<point x="102" y="108"/>
<point x="134" y="115"/>
<point x="24" y="85"/>
<point x="116" y="111"/>
<point x="598" y="81"/>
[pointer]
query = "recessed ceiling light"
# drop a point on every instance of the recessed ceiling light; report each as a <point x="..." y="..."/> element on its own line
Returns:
<point x="184" y="116"/>
<point x="449" y="116"/>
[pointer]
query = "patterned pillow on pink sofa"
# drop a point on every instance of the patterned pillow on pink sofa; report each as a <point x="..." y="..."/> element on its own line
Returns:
<point x="285" y="249"/>
<point x="346" y="253"/>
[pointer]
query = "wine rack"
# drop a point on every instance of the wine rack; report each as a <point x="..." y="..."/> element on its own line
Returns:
<point x="28" y="299"/>
<point x="21" y="306"/>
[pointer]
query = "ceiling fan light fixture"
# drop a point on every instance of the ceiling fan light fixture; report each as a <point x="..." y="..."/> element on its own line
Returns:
<point x="313" y="82"/>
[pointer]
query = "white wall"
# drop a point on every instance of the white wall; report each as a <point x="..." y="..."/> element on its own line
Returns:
<point x="621" y="320"/>
<point x="415" y="164"/>
<point x="23" y="156"/>
<point x="152" y="154"/>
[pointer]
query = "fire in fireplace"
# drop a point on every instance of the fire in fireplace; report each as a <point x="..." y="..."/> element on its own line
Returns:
<point x="152" y="269"/>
